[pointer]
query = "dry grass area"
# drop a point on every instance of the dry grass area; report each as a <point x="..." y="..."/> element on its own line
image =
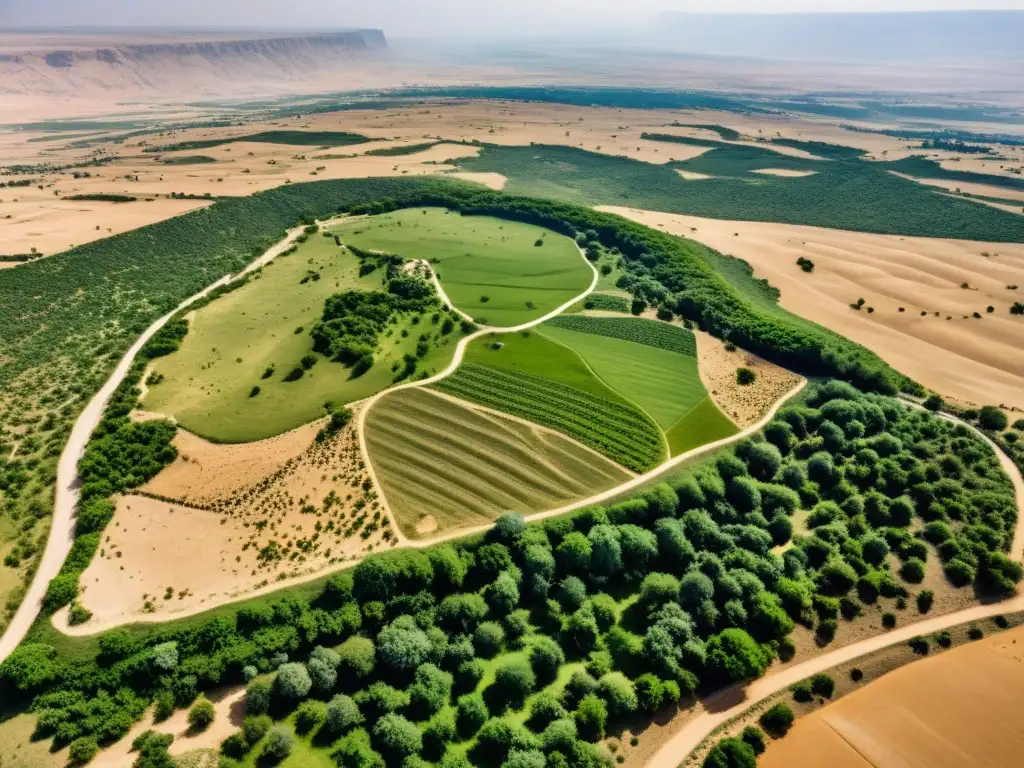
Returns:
<point x="226" y="520"/>
<point x="956" y="709"/>
<point x="935" y="339"/>
<point x="744" y="404"/>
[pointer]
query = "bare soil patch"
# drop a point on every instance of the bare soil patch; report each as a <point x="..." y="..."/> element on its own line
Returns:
<point x="492" y="180"/>
<point x="744" y="404"/>
<point x="225" y="520"/>
<point x="787" y="172"/>
<point x="935" y="339"/>
<point x="693" y="175"/>
<point x="959" y="708"/>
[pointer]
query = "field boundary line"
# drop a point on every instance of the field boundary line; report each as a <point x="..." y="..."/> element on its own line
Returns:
<point x="596" y="375"/>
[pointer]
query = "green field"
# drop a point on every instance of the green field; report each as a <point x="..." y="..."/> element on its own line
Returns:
<point x="235" y="339"/>
<point x="465" y="467"/>
<point x="664" y="383"/>
<point x="618" y="430"/>
<point x="653" y="365"/>
<point x="478" y="257"/>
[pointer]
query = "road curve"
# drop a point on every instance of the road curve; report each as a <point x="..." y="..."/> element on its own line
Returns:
<point x="718" y="711"/>
<point x="62" y="528"/>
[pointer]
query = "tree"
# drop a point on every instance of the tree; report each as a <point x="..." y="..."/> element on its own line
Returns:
<point x="503" y="593"/>
<point x="650" y="692"/>
<point x="733" y="656"/>
<point x="431" y="690"/>
<point x="82" y="750"/>
<point x="992" y="418"/>
<point x="201" y="715"/>
<point x="591" y="715"/>
<point x="323" y="674"/>
<point x="639" y="548"/>
<point x="822" y="685"/>
<point x="572" y="593"/>
<point x="461" y="613"/>
<point x="292" y="683"/>
<point x="546" y="657"/>
<point x="355" y="751"/>
<point x="310" y="715"/>
<point x="731" y="753"/>
<point x="396" y="737"/>
<point x="31" y="667"/>
<point x="745" y="376"/>
<point x="514" y="681"/>
<point x="402" y="645"/>
<point x="694" y="589"/>
<point x="573" y="554"/>
<point x="278" y="746"/>
<point x="488" y="639"/>
<point x="342" y="715"/>
<point x="559" y="735"/>
<point x="606" y="552"/>
<point x="777" y="720"/>
<point x="471" y="714"/>
<point x="257" y="697"/>
<point x="380" y="699"/>
<point x="913" y="570"/>
<point x="616" y="689"/>
<point x="755" y="738"/>
<point x="763" y="460"/>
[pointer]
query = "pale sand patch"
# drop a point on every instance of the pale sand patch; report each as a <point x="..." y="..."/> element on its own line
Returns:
<point x="229" y="704"/>
<point x="787" y="172"/>
<point x="495" y="181"/>
<point x="1017" y="208"/>
<point x="988" y="190"/>
<point x="51" y="225"/>
<point x="693" y="175"/>
<point x="205" y="471"/>
<point x="980" y="361"/>
<point x="745" y="405"/>
<point x="226" y="520"/>
<point x="960" y="708"/>
<point x="426" y="525"/>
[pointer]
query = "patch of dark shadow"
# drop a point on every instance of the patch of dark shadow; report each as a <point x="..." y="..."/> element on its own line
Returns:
<point x="60" y="59"/>
<point x="106" y="55"/>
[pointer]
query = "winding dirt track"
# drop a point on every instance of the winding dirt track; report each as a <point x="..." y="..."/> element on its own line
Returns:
<point x="720" y="708"/>
<point x="63" y="526"/>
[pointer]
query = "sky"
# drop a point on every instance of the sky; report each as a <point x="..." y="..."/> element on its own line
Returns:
<point x="427" y="18"/>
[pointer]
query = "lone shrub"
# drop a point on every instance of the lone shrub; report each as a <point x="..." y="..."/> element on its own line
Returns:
<point x="856" y="674"/>
<point x="888" y="620"/>
<point x="745" y="376"/>
<point x="82" y="750"/>
<point x="925" y="598"/>
<point x="822" y="685"/>
<point x="309" y="716"/>
<point x="731" y="753"/>
<point x="754" y="737"/>
<point x="777" y="720"/>
<point x="201" y="715"/>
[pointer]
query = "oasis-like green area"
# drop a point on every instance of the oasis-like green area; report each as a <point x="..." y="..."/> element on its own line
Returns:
<point x="844" y="192"/>
<point x="492" y="269"/>
<point x="264" y="326"/>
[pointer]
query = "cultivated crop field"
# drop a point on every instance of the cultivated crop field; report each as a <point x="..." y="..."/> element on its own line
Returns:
<point x="443" y="464"/>
<point x="619" y="431"/>
<point x="492" y="269"/>
<point x="264" y="326"/>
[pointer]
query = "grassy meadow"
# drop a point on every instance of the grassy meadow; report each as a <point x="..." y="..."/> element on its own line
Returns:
<point x="491" y="269"/>
<point x="465" y="467"/>
<point x="235" y="340"/>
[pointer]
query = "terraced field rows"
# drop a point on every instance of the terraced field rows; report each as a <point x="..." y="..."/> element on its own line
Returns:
<point x="618" y="431"/>
<point x="434" y="456"/>
<point x="649" y="332"/>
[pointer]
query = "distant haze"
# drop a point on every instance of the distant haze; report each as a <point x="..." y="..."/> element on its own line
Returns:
<point x="479" y="19"/>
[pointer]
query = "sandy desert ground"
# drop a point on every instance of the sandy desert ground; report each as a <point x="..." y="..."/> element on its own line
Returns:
<point x="976" y="360"/>
<point x="961" y="708"/>
<point x="202" y="529"/>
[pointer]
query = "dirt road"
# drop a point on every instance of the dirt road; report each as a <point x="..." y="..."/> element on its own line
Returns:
<point x="63" y="526"/>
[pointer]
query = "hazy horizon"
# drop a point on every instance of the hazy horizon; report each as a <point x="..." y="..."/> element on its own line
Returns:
<point x="406" y="19"/>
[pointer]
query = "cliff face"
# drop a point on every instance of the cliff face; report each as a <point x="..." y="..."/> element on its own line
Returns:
<point x="179" y="65"/>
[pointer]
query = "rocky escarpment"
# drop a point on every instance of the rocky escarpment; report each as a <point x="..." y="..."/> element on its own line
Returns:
<point x="180" y="64"/>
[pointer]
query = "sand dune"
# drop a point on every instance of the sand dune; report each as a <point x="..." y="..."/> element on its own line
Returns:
<point x="978" y="360"/>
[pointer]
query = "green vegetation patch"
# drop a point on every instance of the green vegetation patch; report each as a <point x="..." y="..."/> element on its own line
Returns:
<point x="619" y="431"/>
<point x="606" y="302"/>
<point x="702" y="424"/>
<point x="550" y="636"/>
<point x="465" y="467"/>
<point x="267" y="332"/>
<point x="188" y="160"/>
<point x="294" y="138"/>
<point x="727" y="134"/>
<point x="500" y="272"/>
<point x="104" y="198"/>
<point x="664" y="383"/>
<point x="408" y="149"/>
<point x="845" y="192"/>
<point x="636" y="329"/>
